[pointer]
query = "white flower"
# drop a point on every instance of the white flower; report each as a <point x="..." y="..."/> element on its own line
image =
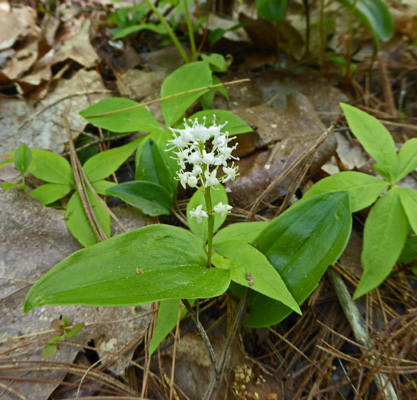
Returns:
<point x="222" y="209"/>
<point x="194" y="158"/>
<point x="183" y="177"/>
<point x="231" y="173"/>
<point x="208" y="158"/>
<point x="211" y="179"/>
<point x="198" y="213"/>
<point x="192" y="181"/>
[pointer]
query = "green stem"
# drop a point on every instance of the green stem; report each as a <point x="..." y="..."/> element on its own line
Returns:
<point x="190" y="31"/>
<point x="171" y="33"/>
<point x="23" y="178"/>
<point x="209" y="205"/>
<point x="349" y="44"/>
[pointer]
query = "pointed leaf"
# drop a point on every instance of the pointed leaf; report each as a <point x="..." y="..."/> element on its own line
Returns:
<point x="22" y="158"/>
<point x="218" y="194"/>
<point x="188" y="77"/>
<point x="384" y="237"/>
<point x="77" y="221"/>
<point x="150" y="198"/>
<point x="362" y="189"/>
<point x="407" y="159"/>
<point x="300" y="244"/>
<point x="153" y="263"/>
<point x="101" y="186"/>
<point x="104" y="164"/>
<point x="374" y="137"/>
<point x="72" y="332"/>
<point x="51" y="167"/>
<point x="8" y="185"/>
<point x="132" y="120"/>
<point x="244" y="232"/>
<point x="409" y="203"/>
<point x="50" y="192"/>
<point x="250" y="268"/>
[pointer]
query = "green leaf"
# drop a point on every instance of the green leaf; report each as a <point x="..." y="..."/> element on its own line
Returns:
<point x="150" y="198"/>
<point x="5" y="162"/>
<point x="250" y="268"/>
<point x="188" y="77"/>
<point x="375" y="15"/>
<point x="50" y="192"/>
<point x="51" y="167"/>
<point x="157" y="262"/>
<point x="409" y="253"/>
<point x="135" y="120"/>
<point x="160" y="29"/>
<point x="235" y="125"/>
<point x="409" y="203"/>
<point x="78" y="223"/>
<point x="407" y="159"/>
<point x="218" y="194"/>
<point x="52" y="346"/>
<point x="244" y="232"/>
<point x="217" y="62"/>
<point x="300" y="244"/>
<point x="375" y="139"/>
<point x="72" y="332"/>
<point x="22" y="158"/>
<point x="104" y="164"/>
<point x="166" y="321"/>
<point x="384" y="237"/>
<point x="151" y="167"/>
<point x="271" y="10"/>
<point x="101" y="186"/>
<point x="8" y="185"/>
<point x="362" y="189"/>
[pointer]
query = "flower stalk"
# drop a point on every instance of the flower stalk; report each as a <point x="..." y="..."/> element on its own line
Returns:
<point x="210" y="225"/>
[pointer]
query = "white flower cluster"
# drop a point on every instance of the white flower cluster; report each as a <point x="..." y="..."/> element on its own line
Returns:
<point x="203" y="150"/>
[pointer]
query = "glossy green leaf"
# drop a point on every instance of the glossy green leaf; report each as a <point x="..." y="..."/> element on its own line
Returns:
<point x="271" y="10"/>
<point x="301" y="243"/>
<point x="50" y="192"/>
<point x="101" y="186"/>
<point x="384" y="237"/>
<point x="250" y="268"/>
<point x="407" y="159"/>
<point x="235" y="125"/>
<point x="166" y="321"/>
<point x="160" y="29"/>
<point x="126" y="120"/>
<point x="218" y="194"/>
<point x="244" y="232"/>
<point x="362" y="189"/>
<point x="150" y="198"/>
<point x="51" y="167"/>
<point x="77" y="221"/>
<point x="375" y="15"/>
<point x="104" y="164"/>
<point x="153" y="263"/>
<point x="375" y="139"/>
<point x="22" y="158"/>
<point x="151" y="167"/>
<point x="409" y="203"/>
<point x="188" y="77"/>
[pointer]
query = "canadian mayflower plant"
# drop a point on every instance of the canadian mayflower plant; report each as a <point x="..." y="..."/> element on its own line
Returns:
<point x="203" y="153"/>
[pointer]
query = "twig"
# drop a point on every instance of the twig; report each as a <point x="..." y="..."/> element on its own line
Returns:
<point x="358" y="328"/>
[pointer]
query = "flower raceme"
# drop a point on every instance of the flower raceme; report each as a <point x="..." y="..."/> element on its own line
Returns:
<point x="202" y="151"/>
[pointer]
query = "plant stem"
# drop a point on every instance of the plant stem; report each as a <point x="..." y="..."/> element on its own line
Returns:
<point x="170" y="32"/>
<point x="349" y="44"/>
<point x="190" y="30"/>
<point x="210" y="224"/>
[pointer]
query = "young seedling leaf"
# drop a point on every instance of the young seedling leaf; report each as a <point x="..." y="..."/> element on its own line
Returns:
<point x="150" y="198"/>
<point x="22" y="158"/>
<point x="160" y="29"/>
<point x="375" y="139"/>
<point x="250" y="268"/>
<point x="244" y="232"/>
<point x="50" y="192"/>
<point x="51" y="167"/>
<point x="409" y="203"/>
<point x="218" y="194"/>
<point x="362" y="189"/>
<point x="104" y="164"/>
<point x="73" y="331"/>
<point x="407" y="159"/>
<point x="125" y="120"/>
<point x="300" y="244"/>
<point x="235" y="125"/>
<point x="78" y="223"/>
<point x="188" y="77"/>
<point x="154" y="263"/>
<point x="384" y="237"/>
